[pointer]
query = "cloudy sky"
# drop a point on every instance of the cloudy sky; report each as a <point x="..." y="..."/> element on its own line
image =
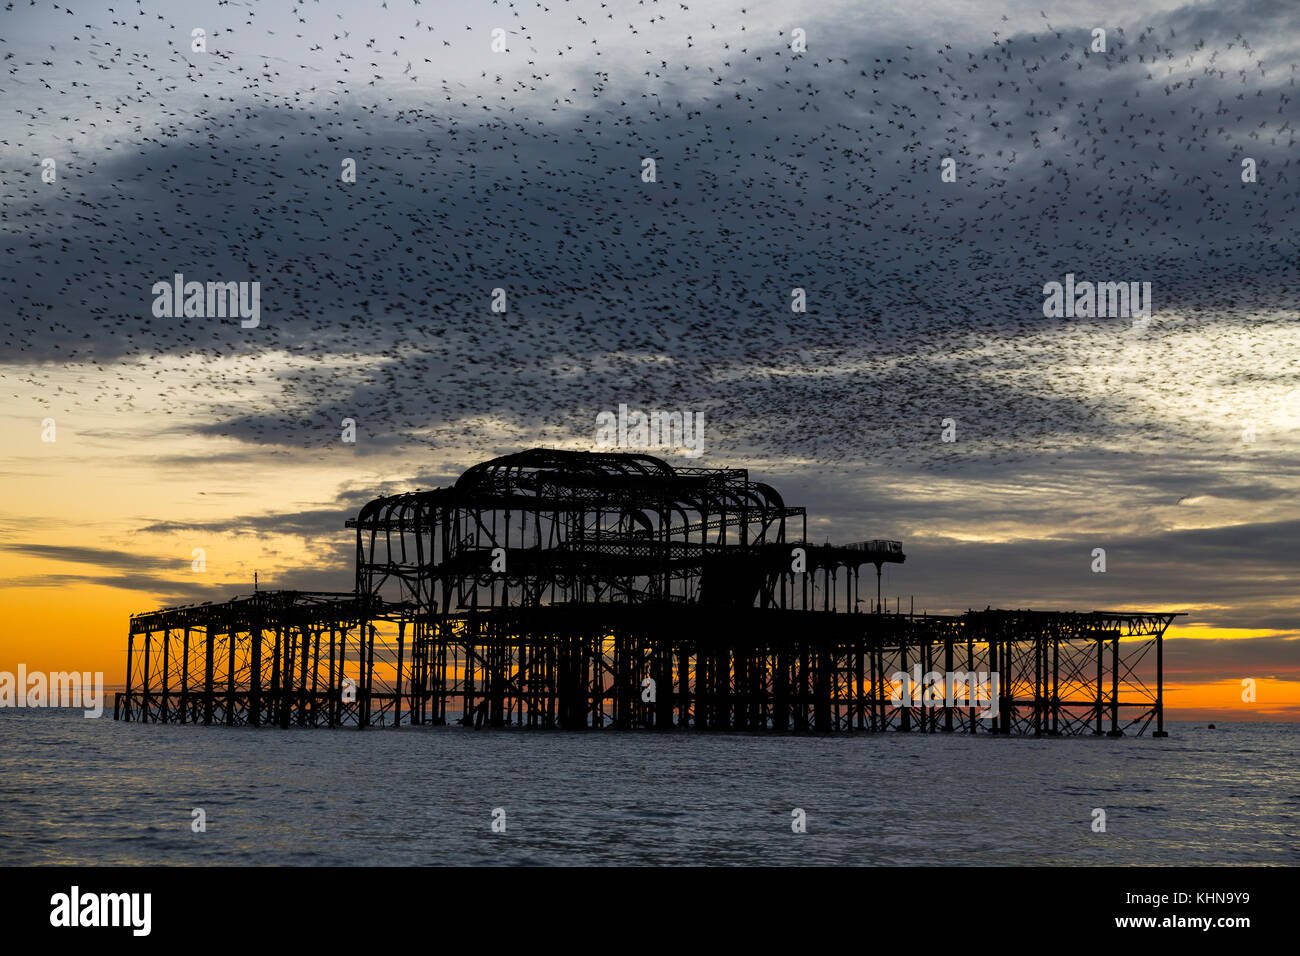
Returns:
<point x="1172" y="443"/>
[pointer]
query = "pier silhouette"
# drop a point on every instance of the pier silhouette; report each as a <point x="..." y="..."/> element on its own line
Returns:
<point x="584" y="590"/>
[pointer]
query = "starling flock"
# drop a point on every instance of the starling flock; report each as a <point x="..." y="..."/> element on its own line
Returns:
<point x="920" y="187"/>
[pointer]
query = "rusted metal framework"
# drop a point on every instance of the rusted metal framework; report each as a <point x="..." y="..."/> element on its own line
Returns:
<point x="581" y="590"/>
<point x="551" y="527"/>
<point x="275" y="657"/>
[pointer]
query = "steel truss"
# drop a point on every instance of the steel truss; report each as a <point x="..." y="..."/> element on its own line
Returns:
<point x="578" y="590"/>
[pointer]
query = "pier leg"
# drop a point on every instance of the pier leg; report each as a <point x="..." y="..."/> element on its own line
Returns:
<point x="1114" y="688"/>
<point x="130" y="649"/>
<point x="1160" y="685"/>
<point x="208" y="691"/>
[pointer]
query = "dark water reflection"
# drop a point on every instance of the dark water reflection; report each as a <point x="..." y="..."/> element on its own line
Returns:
<point x="93" y="791"/>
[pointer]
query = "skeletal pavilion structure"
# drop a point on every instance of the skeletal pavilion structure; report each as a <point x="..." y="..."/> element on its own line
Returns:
<point x="588" y="590"/>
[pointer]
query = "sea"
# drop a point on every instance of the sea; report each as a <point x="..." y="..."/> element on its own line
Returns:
<point x="99" y="792"/>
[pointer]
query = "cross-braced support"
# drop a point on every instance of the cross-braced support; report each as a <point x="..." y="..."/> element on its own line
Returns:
<point x="577" y="590"/>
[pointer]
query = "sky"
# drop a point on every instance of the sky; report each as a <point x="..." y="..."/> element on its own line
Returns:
<point x="1170" y="442"/>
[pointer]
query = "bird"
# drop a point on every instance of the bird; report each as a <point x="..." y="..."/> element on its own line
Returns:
<point x="524" y="171"/>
